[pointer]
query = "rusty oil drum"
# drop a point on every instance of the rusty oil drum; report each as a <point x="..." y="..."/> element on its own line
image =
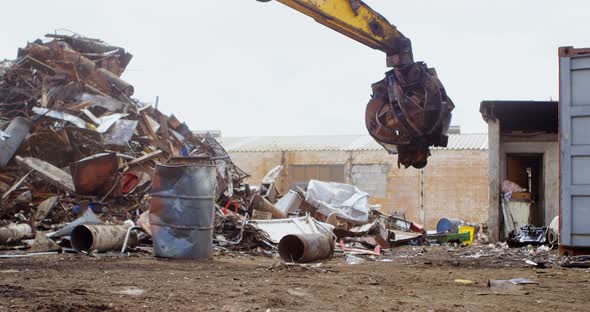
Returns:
<point x="182" y="210"/>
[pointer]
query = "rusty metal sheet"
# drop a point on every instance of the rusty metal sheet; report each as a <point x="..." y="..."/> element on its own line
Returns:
<point x="95" y="175"/>
<point x="48" y="172"/>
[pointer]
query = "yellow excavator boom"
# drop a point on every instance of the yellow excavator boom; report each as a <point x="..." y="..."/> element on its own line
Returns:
<point x="356" y="20"/>
<point x="409" y="110"/>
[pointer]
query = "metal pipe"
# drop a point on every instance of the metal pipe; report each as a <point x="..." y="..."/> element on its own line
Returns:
<point x="128" y="235"/>
<point x="101" y="238"/>
<point x="29" y="255"/>
<point x="122" y="85"/>
<point x="15" y="232"/>
<point x="306" y="247"/>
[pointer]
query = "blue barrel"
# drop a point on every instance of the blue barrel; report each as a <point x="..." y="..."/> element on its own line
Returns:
<point x="182" y="210"/>
<point x="445" y="225"/>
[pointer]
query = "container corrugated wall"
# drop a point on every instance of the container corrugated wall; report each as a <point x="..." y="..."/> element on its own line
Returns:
<point x="574" y="145"/>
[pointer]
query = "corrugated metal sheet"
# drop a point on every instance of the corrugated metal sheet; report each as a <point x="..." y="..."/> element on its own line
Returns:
<point x="475" y="141"/>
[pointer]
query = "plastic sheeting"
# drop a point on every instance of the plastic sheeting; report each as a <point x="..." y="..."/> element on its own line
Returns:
<point x="346" y="200"/>
<point x="279" y="228"/>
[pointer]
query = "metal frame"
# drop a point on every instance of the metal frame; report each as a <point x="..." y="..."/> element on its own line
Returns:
<point x="568" y="190"/>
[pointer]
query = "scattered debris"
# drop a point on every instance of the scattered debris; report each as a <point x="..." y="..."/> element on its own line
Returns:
<point x="42" y="243"/>
<point x="352" y="259"/>
<point x="130" y="291"/>
<point x="465" y="282"/>
<point x="236" y="233"/>
<point x="15" y="233"/>
<point x="504" y="287"/>
<point x="296" y="292"/>
<point x="576" y="262"/>
<point x="529" y="234"/>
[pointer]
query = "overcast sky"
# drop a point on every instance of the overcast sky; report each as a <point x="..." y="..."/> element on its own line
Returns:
<point x="251" y="68"/>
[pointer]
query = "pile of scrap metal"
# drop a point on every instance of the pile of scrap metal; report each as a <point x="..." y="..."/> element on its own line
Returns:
<point x="83" y="167"/>
<point x="308" y="225"/>
<point x="73" y="141"/>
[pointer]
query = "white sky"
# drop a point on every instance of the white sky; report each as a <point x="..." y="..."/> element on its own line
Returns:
<point x="252" y="68"/>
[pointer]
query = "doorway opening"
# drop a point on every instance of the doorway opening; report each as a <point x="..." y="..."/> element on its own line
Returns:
<point x="526" y="170"/>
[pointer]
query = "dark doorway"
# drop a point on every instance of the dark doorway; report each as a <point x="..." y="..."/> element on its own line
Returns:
<point x="526" y="170"/>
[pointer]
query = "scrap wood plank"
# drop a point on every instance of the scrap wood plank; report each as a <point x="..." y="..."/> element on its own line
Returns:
<point x="148" y="125"/>
<point x="16" y="185"/>
<point x="145" y="157"/>
<point x="49" y="172"/>
<point x="164" y="127"/>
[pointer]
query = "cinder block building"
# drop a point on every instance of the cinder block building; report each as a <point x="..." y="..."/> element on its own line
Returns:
<point x="453" y="185"/>
<point x="523" y="148"/>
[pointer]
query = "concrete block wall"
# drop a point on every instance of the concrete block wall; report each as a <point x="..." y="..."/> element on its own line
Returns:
<point x="455" y="182"/>
<point x="371" y="178"/>
<point x="256" y="164"/>
<point x="456" y="186"/>
<point x="403" y="185"/>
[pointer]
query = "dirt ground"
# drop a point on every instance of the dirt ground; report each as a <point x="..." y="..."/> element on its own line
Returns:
<point x="412" y="279"/>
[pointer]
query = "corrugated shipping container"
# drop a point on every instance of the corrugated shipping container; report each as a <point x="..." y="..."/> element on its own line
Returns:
<point x="574" y="145"/>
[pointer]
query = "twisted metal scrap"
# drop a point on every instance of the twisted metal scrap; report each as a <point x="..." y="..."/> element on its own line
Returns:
<point x="409" y="112"/>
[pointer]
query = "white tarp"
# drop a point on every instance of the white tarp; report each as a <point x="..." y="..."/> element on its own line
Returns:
<point x="346" y="200"/>
<point x="278" y="228"/>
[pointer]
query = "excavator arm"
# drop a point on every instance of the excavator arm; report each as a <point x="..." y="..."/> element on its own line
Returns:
<point x="358" y="21"/>
<point x="409" y="110"/>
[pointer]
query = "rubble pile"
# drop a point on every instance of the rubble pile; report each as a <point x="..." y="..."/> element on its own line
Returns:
<point x="72" y="137"/>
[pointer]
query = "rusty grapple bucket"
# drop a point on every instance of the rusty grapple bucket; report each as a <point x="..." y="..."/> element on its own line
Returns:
<point x="409" y="112"/>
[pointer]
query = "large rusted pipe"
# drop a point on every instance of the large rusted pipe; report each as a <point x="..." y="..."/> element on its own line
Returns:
<point x="101" y="237"/>
<point x="306" y="247"/>
<point x="14" y="233"/>
<point x="122" y="85"/>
